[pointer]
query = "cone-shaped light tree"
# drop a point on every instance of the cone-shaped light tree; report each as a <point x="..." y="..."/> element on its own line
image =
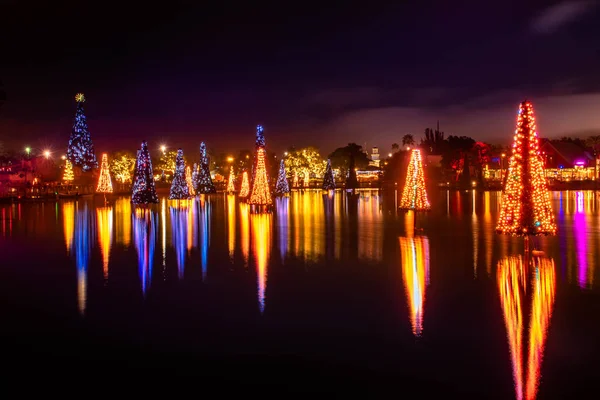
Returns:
<point x="188" y="180"/>
<point x="414" y="194"/>
<point x="261" y="194"/>
<point x="104" y="181"/>
<point x="81" y="149"/>
<point x="205" y="183"/>
<point x="144" y="190"/>
<point x="328" y="180"/>
<point x="525" y="206"/>
<point x="68" y="174"/>
<point x="245" y="188"/>
<point x="195" y="176"/>
<point x="259" y="144"/>
<point x="230" y="181"/>
<point x="179" y="188"/>
<point x="282" y="187"/>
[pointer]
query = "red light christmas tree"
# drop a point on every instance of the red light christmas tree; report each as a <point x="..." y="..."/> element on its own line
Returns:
<point x="414" y="194"/>
<point x="104" y="182"/>
<point x="525" y="206"/>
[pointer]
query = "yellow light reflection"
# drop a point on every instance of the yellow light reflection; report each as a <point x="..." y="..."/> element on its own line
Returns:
<point x="68" y="211"/>
<point x="245" y="232"/>
<point x="488" y="232"/>
<point x="370" y="227"/>
<point x="475" y="229"/>
<point x="105" y="232"/>
<point x="231" y="224"/>
<point x="415" y="276"/>
<point x="512" y="288"/>
<point x="261" y="246"/>
<point x="123" y="221"/>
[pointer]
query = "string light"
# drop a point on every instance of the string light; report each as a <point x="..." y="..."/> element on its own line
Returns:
<point x="230" y="183"/>
<point x="205" y="184"/>
<point x="328" y="181"/>
<point x="68" y="175"/>
<point x="104" y="181"/>
<point x="144" y="189"/>
<point x="414" y="194"/>
<point x="525" y="206"/>
<point x="80" y="151"/>
<point x="179" y="188"/>
<point x="245" y="189"/>
<point x="261" y="195"/>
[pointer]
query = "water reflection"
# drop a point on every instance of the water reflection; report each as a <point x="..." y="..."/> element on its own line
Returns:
<point x="123" y="221"/>
<point x="370" y="226"/>
<point x="144" y="230"/>
<point x="308" y="222"/>
<point x="415" y="273"/>
<point x="68" y="212"/>
<point x="283" y="224"/>
<point x="512" y="284"/>
<point x="204" y="208"/>
<point x="105" y="233"/>
<point x="245" y="232"/>
<point x="261" y="247"/>
<point x="179" y="236"/>
<point x="82" y="246"/>
<point x="231" y="225"/>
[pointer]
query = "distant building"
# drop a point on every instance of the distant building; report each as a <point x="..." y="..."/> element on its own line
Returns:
<point x="567" y="161"/>
<point x="375" y="157"/>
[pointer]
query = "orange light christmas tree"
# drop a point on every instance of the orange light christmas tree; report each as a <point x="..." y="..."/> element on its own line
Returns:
<point x="260" y="195"/>
<point x="245" y="189"/>
<point x="230" y="183"/>
<point x="104" y="181"/>
<point x="188" y="181"/>
<point x="68" y="174"/>
<point x="525" y="206"/>
<point x="414" y="194"/>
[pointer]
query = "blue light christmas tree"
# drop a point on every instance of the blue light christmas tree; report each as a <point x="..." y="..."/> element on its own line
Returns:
<point x="282" y="187"/>
<point x="179" y="188"/>
<point x="144" y="191"/>
<point x="81" y="149"/>
<point x="328" y="180"/>
<point x="205" y="184"/>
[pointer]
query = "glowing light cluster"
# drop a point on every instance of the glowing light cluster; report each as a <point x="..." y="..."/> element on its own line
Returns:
<point x="230" y="181"/>
<point x="245" y="188"/>
<point x="282" y="187"/>
<point x="144" y="190"/>
<point x="179" y="188"/>
<point x="104" y="181"/>
<point x="526" y="208"/>
<point x="260" y="195"/>
<point x="328" y="181"/>
<point x="81" y="149"/>
<point x="188" y="181"/>
<point x="414" y="194"/>
<point x="68" y="174"/>
<point x="512" y="274"/>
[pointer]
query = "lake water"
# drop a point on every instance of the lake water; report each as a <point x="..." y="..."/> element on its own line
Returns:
<point x="328" y="293"/>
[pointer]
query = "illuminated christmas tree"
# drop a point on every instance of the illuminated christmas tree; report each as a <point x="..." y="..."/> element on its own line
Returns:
<point x="195" y="176"/>
<point x="188" y="180"/>
<point x="414" y="195"/>
<point x="282" y="187"/>
<point x="104" y="182"/>
<point x="260" y="144"/>
<point x="179" y="188"/>
<point x="230" y="182"/>
<point x="245" y="188"/>
<point x="205" y="183"/>
<point x="81" y="149"/>
<point x="144" y="191"/>
<point x="68" y="174"/>
<point x="295" y="180"/>
<point x="261" y="194"/>
<point x="525" y="205"/>
<point x="328" y="180"/>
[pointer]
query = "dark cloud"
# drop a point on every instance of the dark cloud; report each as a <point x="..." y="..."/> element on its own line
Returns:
<point x="553" y="18"/>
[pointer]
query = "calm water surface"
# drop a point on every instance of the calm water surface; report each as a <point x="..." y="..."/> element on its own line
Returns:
<point x="328" y="285"/>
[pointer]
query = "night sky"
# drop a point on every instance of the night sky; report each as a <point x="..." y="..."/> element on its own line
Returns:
<point x="179" y="72"/>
